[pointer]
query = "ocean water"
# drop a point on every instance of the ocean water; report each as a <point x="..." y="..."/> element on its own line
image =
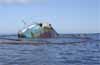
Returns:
<point x="58" y="51"/>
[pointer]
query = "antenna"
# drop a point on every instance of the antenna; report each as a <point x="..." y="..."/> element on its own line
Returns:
<point x="25" y="24"/>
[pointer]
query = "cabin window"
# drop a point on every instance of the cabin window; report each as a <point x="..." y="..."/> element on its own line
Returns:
<point x="40" y="24"/>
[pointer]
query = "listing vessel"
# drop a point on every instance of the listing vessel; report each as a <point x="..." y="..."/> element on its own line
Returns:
<point x="38" y="30"/>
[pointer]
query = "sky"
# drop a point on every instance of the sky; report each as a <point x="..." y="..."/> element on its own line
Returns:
<point x="66" y="16"/>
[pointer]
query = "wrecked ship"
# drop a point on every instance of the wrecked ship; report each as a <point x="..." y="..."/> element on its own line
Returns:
<point x="38" y="30"/>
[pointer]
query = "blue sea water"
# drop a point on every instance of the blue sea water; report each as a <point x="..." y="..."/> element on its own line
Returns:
<point x="63" y="53"/>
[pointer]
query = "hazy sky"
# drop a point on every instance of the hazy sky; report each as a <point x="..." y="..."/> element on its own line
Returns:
<point x="66" y="16"/>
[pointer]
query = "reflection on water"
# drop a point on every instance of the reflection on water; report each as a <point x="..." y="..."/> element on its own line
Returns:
<point x="84" y="53"/>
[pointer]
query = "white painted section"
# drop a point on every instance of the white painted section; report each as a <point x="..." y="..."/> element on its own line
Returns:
<point x="31" y="26"/>
<point x="46" y="24"/>
<point x="24" y="30"/>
